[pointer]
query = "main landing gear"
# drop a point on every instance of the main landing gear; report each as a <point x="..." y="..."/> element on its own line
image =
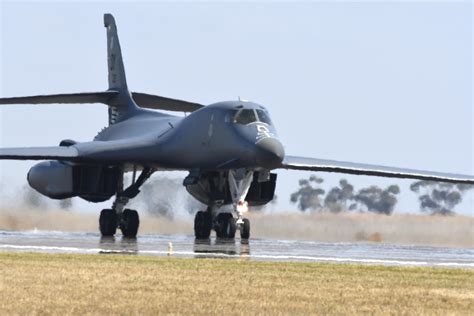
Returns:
<point x="117" y="217"/>
<point x="129" y="223"/>
<point x="224" y="223"/>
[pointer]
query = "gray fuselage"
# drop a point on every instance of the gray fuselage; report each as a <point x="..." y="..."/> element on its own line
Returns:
<point x="208" y="139"/>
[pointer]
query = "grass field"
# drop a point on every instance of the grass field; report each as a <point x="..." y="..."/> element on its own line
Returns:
<point x="120" y="284"/>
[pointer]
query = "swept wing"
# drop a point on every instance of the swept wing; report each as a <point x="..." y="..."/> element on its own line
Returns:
<point x="314" y="164"/>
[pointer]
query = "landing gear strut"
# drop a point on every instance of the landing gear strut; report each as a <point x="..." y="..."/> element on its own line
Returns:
<point x="239" y="185"/>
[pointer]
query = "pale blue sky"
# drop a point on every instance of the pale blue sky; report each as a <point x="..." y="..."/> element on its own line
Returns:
<point x="372" y="82"/>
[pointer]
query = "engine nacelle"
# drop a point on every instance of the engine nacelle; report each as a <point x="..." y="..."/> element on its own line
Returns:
<point x="213" y="187"/>
<point x="60" y="180"/>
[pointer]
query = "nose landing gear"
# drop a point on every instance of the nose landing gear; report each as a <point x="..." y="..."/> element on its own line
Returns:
<point x="239" y="185"/>
<point x="245" y="229"/>
<point x="224" y="223"/>
<point x="225" y="226"/>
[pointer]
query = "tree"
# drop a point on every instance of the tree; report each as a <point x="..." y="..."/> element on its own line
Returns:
<point x="377" y="200"/>
<point x="336" y="199"/>
<point x="439" y="198"/>
<point x="309" y="194"/>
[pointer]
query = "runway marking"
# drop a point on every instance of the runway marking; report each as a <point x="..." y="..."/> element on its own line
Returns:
<point x="243" y="256"/>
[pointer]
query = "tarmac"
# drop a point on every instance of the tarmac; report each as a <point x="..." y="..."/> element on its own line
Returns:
<point x="371" y="253"/>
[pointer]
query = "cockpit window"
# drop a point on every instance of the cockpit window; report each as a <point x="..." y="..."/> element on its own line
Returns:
<point x="264" y="117"/>
<point x="245" y="117"/>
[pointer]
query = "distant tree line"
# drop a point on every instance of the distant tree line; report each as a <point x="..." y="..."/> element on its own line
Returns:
<point x="435" y="198"/>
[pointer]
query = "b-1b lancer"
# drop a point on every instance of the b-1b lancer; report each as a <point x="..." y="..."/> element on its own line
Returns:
<point x="229" y="149"/>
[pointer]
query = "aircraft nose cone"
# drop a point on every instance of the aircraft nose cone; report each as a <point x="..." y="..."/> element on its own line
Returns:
<point x="270" y="153"/>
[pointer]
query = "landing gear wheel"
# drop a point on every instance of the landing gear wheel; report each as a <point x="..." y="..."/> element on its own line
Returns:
<point x="245" y="229"/>
<point x="226" y="226"/>
<point x="202" y="225"/>
<point x="108" y="222"/>
<point x="129" y="223"/>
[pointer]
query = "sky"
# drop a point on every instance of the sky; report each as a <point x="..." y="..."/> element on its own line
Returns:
<point x="386" y="83"/>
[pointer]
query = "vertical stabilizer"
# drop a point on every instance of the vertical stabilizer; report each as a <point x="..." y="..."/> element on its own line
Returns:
<point x="117" y="80"/>
<point x="122" y="106"/>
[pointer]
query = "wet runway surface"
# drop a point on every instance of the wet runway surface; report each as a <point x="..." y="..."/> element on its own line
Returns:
<point x="254" y="249"/>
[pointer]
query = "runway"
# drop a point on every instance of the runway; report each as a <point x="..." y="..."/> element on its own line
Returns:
<point x="254" y="249"/>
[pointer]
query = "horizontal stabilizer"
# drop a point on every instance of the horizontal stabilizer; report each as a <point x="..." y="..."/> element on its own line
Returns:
<point x="313" y="164"/>
<point x="71" y="98"/>
<point x="39" y="153"/>
<point x="161" y="103"/>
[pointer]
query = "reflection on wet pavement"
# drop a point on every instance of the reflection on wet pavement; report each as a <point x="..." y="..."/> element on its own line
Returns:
<point x="253" y="249"/>
<point x="123" y="245"/>
<point x="208" y="248"/>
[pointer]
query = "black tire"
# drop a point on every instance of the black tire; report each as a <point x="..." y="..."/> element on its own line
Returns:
<point x="245" y="229"/>
<point x="130" y="223"/>
<point x="202" y="225"/>
<point x="226" y="226"/>
<point x="108" y="222"/>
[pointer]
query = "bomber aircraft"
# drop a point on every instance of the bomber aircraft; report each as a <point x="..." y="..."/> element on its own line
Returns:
<point x="229" y="149"/>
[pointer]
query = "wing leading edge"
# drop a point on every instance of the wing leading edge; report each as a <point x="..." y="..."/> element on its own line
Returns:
<point x="313" y="164"/>
<point x="40" y="153"/>
<point x="117" y="151"/>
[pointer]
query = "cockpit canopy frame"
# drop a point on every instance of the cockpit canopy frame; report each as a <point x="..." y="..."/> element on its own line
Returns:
<point x="248" y="116"/>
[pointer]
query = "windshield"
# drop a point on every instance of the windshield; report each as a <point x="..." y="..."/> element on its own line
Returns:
<point x="264" y="117"/>
<point x="245" y="117"/>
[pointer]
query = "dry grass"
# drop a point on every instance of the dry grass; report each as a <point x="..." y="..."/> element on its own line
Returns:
<point x="451" y="231"/>
<point x="119" y="284"/>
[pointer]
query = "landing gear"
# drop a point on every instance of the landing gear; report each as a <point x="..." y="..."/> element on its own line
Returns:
<point x="224" y="216"/>
<point x="129" y="223"/>
<point x="127" y="220"/>
<point x="239" y="185"/>
<point x="203" y="224"/>
<point x="108" y="222"/>
<point x="245" y="229"/>
<point x="225" y="225"/>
